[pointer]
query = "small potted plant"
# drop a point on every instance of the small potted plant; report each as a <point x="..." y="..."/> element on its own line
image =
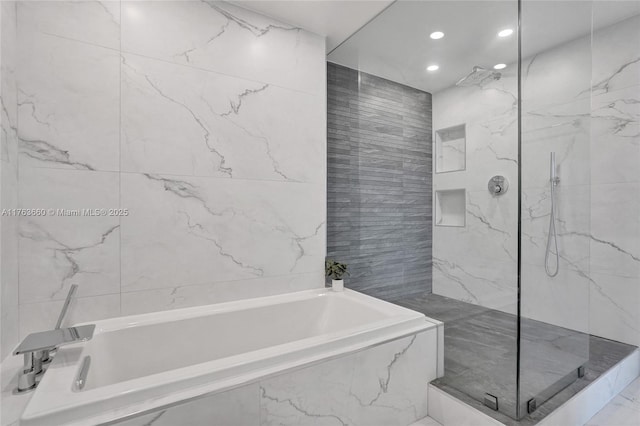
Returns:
<point x="335" y="270"/>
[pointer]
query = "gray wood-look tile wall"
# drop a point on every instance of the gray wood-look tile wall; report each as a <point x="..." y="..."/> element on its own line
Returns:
<point x="379" y="176"/>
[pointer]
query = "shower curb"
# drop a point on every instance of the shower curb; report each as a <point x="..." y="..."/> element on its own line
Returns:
<point x="450" y="411"/>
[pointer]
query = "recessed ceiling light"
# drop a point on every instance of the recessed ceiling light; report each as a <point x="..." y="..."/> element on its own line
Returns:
<point x="432" y="68"/>
<point x="505" y="33"/>
<point x="436" y="35"/>
<point x="499" y="66"/>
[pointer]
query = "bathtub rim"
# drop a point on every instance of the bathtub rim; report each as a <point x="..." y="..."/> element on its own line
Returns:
<point x="106" y="404"/>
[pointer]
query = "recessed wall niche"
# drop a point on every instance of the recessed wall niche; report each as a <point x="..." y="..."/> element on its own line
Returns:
<point x="450" y="207"/>
<point x="451" y="149"/>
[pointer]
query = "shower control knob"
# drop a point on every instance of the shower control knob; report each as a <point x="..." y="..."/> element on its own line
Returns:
<point x="498" y="185"/>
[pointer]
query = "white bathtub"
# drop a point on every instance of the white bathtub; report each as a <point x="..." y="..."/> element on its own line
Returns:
<point x="139" y="363"/>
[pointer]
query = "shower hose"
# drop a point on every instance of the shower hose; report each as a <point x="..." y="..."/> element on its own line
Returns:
<point x="552" y="272"/>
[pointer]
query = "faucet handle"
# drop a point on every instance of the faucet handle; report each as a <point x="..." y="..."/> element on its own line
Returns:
<point x="51" y="339"/>
<point x="26" y="381"/>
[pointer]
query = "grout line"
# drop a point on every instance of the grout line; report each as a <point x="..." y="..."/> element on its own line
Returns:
<point x="213" y="283"/>
<point x="17" y="160"/>
<point x="120" y="161"/>
<point x="126" y="52"/>
<point x="181" y="176"/>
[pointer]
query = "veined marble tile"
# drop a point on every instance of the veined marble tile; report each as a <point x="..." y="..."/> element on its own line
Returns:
<point x="492" y="220"/>
<point x="490" y="150"/>
<point x="615" y="229"/>
<point x="382" y="385"/>
<point x="57" y="251"/>
<point x="221" y="37"/>
<point x="450" y="411"/>
<point x="426" y="421"/>
<point x="490" y="232"/>
<point x="187" y="231"/>
<point x="43" y="316"/>
<point x="615" y="136"/>
<point x="235" y="407"/>
<point x="563" y="129"/>
<point x="69" y="103"/>
<point x="396" y="393"/>
<point x="546" y="78"/>
<point x="220" y="125"/>
<point x="8" y="86"/>
<point x="139" y="302"/>
<point x="96" y="22"/>
<point x="9" y="137"/>
<point x="9" y="334"/>
<point x="579" y="409"/>
<point x="9" y="235"/>
<point x="289" y="400"/>
<point x="616" y="62"/>
<point x="11" y="406"/>
<point x="475" y="104"/>
<point x="573" y="222"/>
<point x="9" y="180"/>
<point x="623" y="410"/>
<point x="614" y="308"/>
<point x="475" y="280"/>
<point x="562" y="300"/>
<point x="9" y="294"/>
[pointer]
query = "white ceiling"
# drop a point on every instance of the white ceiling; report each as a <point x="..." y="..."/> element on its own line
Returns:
<point x="334" y="19"/>
<point x="391" y="40"/>
<point x="396" y="44"/>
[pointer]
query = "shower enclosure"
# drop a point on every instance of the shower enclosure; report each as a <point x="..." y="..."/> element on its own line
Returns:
<point x="518" y="91"/>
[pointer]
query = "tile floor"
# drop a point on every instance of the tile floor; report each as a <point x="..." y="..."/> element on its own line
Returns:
<point x="481" y="352"/>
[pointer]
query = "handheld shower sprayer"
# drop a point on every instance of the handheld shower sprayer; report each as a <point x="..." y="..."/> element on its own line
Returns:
<point x="553" y="181"/>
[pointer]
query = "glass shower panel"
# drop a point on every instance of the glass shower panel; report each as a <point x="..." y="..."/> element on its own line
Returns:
<point x="555" y="197"/>
<point x="470" y="75"/>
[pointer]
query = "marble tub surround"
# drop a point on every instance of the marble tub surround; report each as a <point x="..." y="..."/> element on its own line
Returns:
<point x="368" y="360"/>
<point x="9" y="298"/>
<point x="203" y="120"/>
<point x="379" y="196"/>
<point x="288" y="400"/>
<point x="344" y="392"/>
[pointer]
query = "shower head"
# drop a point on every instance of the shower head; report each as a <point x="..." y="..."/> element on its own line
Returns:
<point x="479" y="76"/>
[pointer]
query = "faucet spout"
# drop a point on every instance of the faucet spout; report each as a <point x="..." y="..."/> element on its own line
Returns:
<point x="52" y="339"/>
<point x="36" y="346"/>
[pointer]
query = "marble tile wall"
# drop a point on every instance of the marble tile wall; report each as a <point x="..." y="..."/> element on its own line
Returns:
<point x="614" y="241"/>
<point x="204" y="121"/>
<point x="385" y="384"/>
<point x="8" y="180"/>
<point x="581" y="101"/>
<point x="556" y="118"/>
<point x="591" y="120"/>
<point x="477" y="263"/>
<point x="379" y="174"/>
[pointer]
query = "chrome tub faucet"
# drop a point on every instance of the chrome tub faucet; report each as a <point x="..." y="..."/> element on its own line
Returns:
<point x="36" y="347"/>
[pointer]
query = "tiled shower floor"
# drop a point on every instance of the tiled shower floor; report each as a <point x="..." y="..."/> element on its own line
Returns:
<point x="480" y="355"/>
